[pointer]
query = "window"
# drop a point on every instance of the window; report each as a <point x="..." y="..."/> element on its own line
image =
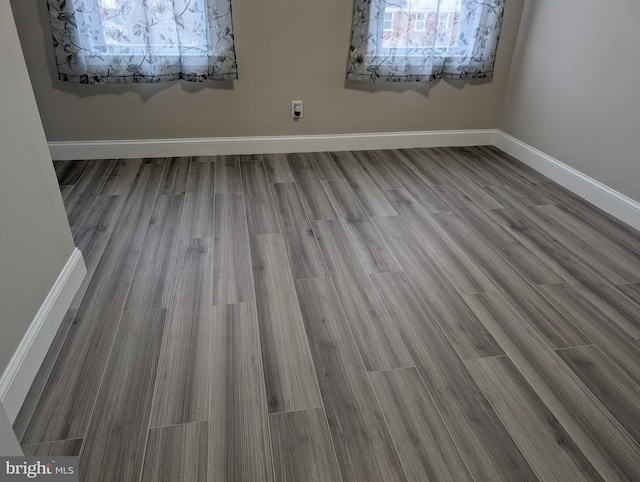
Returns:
<point x="431" y="39"/>
<point x="122" y="41"/>
<point x="421" y="22"/>
<point x="388" y="21"/>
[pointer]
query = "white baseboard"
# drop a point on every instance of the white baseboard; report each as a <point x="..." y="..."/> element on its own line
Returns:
<point x="218" y="146"/>
<point x="607" y="199"/>
<point x="25" y="363"/>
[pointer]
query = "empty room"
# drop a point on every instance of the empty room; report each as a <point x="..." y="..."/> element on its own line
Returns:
<point x="348" y="240"/>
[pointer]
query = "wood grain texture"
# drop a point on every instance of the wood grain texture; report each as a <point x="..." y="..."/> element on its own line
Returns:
<point x="618" y="307"/>
<point x="372" y="200"/>
<point x="115" y="442"/>
<point x="239" y="444"/>
<point x="68" y="172"/>
<point x="424" y="444"/>
<point x="304" y="254"/>
<point x="153" y="283"/>
<point x="277" y="168"/>
<point x="132" y="223"/>
<point x="65" y="406"/>
<point x="363" y="446"/>
<point x="631" y="291"/>
<point x="302" y="447"/>
<point x="85" y="191"/>
<point x="288" y="367"/>
<point x="467" y="334"/>
<point x="261" y="216"/>
<point x="550" y="450"/>
<point x="232" y="281"/>
<point x="228" y="174"/>
<point x="608" y="383"/>
<point x="325" y="166"/>
<point x="421" y="162"/>
<point x="182" y="385"/>
<point x="177" y="454"/>
<point x="121" y="178"/>
<point x="549" y="322"/>
<point x="479" y="434"/>
<point x="31" y="400"/>
<point x="601" y="438"/>
<point x="376" y="255"/>
<point x="378" y="171"/>
<point x="316" y="202"/>
<point x="197" y="221"/>
<point x="93" y="235"/>
<point x="463" y="274"/>
<point x="376" y="336"/>
<point x="176" y="173"/>
<point x="413" y="183"/>
<point x="62" y="448"/>
<point x="527" y="262"/>
<point x="617" y="344"/>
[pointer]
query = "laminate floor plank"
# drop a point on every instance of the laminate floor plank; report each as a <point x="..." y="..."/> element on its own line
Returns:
<point x="550" y="450"/>
<point x="182" y="385"/>
<point x="316" y="202"/>
<point x="277" y="168"/>
<point x="176" y="173"/>
<point x="325" y="166"/>
<point x="177" y="454"/>
<point x="154" y="280"/>
<point x="85" y="191"/>
<point x="546" y="318"/>
<point x="304" y="254"/>
<point x="363" y="446"/>
<point x="608" y="383"/>
<point x="380" y="174"/>
<point x="93" y="236"/>
<point x="232" y="281"/>
<point x="302" y="447"/>
<point x="121" y="178"/>
<point x="466" y="276"/>
<point x="526" y="261"/>
<point x="483" y="441"/>
<point x="261" y="216"/>
<point x="631" y="291"/>
<point x="133" y="221"/>
<point x="572" y="203"/>
<point x="371" y="198"/>
<point x="468" y="163"/>
<point x="613" y="264"/>
<point x="421" y="162"/>
<point x="228" y="174"/>
<point x="467" y="334"/>
<point x="377" y="338"/>
<point x="250" y="157"/>
<point x="618" y="307"/>
<point x="198" y="218"/>
<point x="66" y="403"/>
<point x="239" y="443"/>
<point x="415" y="185"/>
<point x="374" y="250"/>
<point x="425" y="447"/>
<point x="114" y="446"/>
<point x="68" y="172"/>
<point x="616" y="343"/>
<point x="62" y="448"/>
<point x="33" y="395"/>
<point x="601" y="438"/>
<point x="288" y="366"/>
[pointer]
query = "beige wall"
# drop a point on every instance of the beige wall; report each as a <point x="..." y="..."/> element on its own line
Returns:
<point x="278" y="62"/>
<point x="35" y="239"/>
<point x="573" y="91"/>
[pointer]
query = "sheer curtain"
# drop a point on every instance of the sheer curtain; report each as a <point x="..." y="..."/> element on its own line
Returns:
<point x="423" y="40"/>
<point x="124" y="41"/>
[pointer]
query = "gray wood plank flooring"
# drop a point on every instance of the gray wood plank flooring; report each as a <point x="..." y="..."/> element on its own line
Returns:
<point x="410" y="314"/>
